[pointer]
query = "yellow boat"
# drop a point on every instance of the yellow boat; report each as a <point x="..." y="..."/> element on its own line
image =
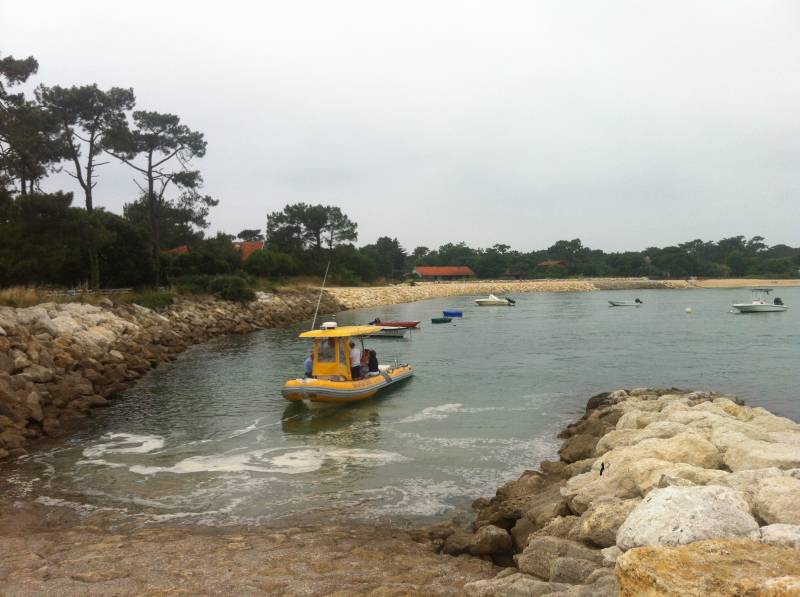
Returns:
<point x="331" y="379"/>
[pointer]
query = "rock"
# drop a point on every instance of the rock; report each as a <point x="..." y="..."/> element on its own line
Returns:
<point x="521" y="532"/>
<point x="713" y="568"/>
<point x="781" y="535"/>
<point x="572" y="570"/>
<point x="489" y="540"/>
<point x="578" y="447"/>
<point x="777" y="500"/>
<point x="38" y="374"/>
<point x="680" y="515"/>
<point x="610" y="555"/>
<point x="630" y="437"/>
<point x="33" y="402"/>
<point x="562" y="527"/>
<point x="753" y="454"/>
<point x="6" y="363"/>
<point x="512" y="585"/>
<point x="457" y="543"/>
<point x="64" y="325"/>
<point x="599" y="524"/>
<point x="542" y="552"/>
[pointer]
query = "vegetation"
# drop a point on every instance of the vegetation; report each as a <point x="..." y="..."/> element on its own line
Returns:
<point x="47" y="241"/>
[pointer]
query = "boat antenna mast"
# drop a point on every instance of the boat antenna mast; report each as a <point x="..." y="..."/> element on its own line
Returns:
<point x="321" y="290"/>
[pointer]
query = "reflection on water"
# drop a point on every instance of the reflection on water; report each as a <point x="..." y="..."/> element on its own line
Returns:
<point x="208" y="439"/>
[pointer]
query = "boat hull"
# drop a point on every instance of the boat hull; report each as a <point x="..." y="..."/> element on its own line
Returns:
<point x="399" y="324"/>
<point x="441" y="320"/>
<point x="343" y="392"/>
<point x="624" y="304"/>
<point x="751" y="308"/>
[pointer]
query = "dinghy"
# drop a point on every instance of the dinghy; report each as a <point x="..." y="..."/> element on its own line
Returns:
<point x="395" y="324"/>
<point x="452" y="313"/>
<point x="331" y="379"/>
<point x="441" y="319"/>
<point x="389" y="331"/>
<point x="633" y="303"/>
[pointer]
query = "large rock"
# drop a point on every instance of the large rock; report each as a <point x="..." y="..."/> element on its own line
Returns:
<point x="578" y="447"/>
<point x="620" y="438"/>
<point x="781" y="535"/>
<point x="713" y="568"/>
<point x="542" y="552"/>
<point x="680" y="515"/>
<point x="752" y="454"/>
<point x="489" y="540"/>
<point x="572" y="570"/>
<point x="512" y="585"/>
<point x="599" y="524"/>
<point x="777" y="500"/>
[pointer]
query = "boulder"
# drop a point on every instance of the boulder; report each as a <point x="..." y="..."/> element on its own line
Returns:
<point x="542" y="552"/>
<point x="680" y="515"/>
<point x="572" y="570"/>
<point x="777" y="500"/>
<point x="38" y="374"/>
<point x="718" y="567"/>
<point x="781" y="535"/>
<point x="521" y="532"/>
<point x="33" y="402"/>
<point x="630" y="437"/>
<point x="578" y="447"/>
<point x="599" y="524"/>
<point x="753" y="454"/>
<point x="489" y="540"/>
<point x="512" y="585"/>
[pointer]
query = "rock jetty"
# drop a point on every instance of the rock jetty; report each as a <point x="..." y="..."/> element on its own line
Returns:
<point x="57" y="361"/>
<point x="374" y="296"/>
<point x="656" y="492"/>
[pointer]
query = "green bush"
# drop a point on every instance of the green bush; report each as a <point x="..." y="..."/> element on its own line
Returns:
<point x="152" y="300"/>
<point x="271" y="263"/>
<point x="230" y="288"/>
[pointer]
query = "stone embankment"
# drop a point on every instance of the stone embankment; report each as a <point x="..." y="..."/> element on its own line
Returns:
<point x="373" y="296"/>
<point x="57" y="361"/>
<point x="657" y="492"/>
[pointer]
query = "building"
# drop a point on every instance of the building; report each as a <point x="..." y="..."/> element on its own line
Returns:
<point x="248" y="247"/>
<point x="182" y="250"/>
<point x="443" y="272"/>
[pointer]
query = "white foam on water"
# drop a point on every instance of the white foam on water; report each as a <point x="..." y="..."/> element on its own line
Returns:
<point x="307" y="460"/>
<point x="434" y="413"/>
<point x="125" y="443"/>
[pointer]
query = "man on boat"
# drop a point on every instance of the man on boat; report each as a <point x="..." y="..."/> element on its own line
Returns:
<point x="308" y="365"/>
<point x="355" y="360"/>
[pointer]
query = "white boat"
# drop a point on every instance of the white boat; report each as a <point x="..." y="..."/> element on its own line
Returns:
<point x="761" y="303"/>
<point x="633" y="303"/>
<point x="494" y="301"/>
<point x="389" y="331"/>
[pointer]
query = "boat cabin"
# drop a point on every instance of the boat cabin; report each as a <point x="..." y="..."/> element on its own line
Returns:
<point x="331" y="350"/>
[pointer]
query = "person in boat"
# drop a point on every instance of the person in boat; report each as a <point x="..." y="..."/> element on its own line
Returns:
<point x="308" y="365"/>
<point x="364" y="362"/>
<point x="373" y="363"/>
<point x="355" y="360"/>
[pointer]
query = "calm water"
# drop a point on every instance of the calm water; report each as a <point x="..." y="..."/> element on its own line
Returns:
<point x="208" y="439"/>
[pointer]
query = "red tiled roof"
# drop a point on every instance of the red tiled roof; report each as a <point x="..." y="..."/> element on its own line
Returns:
<point x="443" y="270"/>
<point x="249" y="247"/>
<point x="182" y="250"/>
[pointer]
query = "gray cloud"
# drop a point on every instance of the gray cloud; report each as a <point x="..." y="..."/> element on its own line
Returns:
<point x="626" y="124"/>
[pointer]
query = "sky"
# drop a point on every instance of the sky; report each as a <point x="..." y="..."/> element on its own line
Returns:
<point x="624" y="124"/>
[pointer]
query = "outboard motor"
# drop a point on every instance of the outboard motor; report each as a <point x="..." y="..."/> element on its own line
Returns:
<point x="638" y="302"/>
<point x="777" y="301"/>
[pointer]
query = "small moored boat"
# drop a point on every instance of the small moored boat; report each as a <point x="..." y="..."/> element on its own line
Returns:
<point x="332" y="380"/>
<point x="389" y="331"/>
<point x="633" y="303"/>
<point x="441" y="319"/>
<point x="395" y="324"/>
<point x="761" y="303"/>
<point x="453" y="313"/>
<point x="494" y="301"/>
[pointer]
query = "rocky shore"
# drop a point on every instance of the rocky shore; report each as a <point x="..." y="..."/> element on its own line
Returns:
<point x="656" y="492"/>
<point x="373" y="296"/>
<point x="57" y="361"/>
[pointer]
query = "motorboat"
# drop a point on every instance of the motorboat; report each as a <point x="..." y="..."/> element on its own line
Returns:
<point x="453" y="313"/>
<point x="441" y="319"/>
<point x="331" y="379"/>
<point x="760" y="303"/>
<point x="633" y="303"/>
<point x="494" y="301"/>
<point x="390" y="331"/>
<point x="395" y="324"/>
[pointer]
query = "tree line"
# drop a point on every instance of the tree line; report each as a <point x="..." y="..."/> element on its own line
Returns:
<point x="52" y="239"/>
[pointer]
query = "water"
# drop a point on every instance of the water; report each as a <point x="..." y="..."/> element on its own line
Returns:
<point x="208" y="439"/>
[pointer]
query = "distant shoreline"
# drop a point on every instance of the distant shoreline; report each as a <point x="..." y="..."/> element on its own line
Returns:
<point x="356" y="297"/>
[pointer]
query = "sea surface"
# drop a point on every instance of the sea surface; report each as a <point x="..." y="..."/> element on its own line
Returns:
<point x="208" y="439"/>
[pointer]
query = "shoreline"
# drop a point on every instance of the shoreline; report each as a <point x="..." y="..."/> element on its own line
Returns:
<point x="355" y="297"/>
<point x="655" y="491"/>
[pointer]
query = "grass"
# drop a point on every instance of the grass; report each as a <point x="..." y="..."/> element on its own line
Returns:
<point x="29" y="296"/>
<point x="155" y="299"/>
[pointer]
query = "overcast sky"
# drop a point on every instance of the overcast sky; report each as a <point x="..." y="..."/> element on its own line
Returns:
<point x="626" y="124"/>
